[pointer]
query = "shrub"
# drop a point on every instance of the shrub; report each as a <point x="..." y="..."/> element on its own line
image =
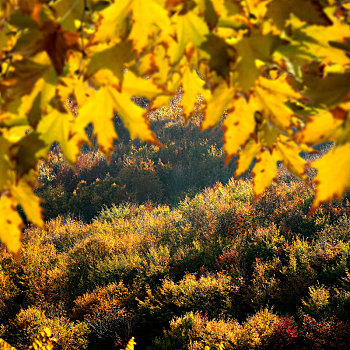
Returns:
<point x="329" y="333"/>
<point x="317" y="303"/>
<point x="193" y="332"/>
<point x="285" y="335"/>
<point x="28" y="323"/>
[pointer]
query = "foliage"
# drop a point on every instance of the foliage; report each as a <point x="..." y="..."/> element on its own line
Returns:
<point x="279" y="71"/>
<point x="43" y="341"/>
<point x="217" y="270"/>
<point x="190" y="161"/>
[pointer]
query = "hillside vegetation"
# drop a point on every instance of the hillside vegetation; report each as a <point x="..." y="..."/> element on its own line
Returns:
<point x="189" y="161"/>
<point x="217" y="269"/>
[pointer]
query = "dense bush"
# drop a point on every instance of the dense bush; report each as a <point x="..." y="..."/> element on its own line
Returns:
<point x="219" y="269"/>
<point x="136" y="173"/>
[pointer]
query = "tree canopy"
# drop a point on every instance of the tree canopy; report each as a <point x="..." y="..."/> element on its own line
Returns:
<point x="279" y="71"/>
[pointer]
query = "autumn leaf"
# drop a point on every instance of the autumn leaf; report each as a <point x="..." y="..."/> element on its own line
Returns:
<point x="56" y="127"/>
<point x="333" y="174"/>
<point x="216" y="105"/>
<point x="264" y="171"/>
<point x="10" y="223"/>
<point x="23" y="193"/>
<point x="99" y="110"/>
<point x="110" y="21"/>
<point x="113" y="59"/>
<point x="310" y="11"/>
<point x="272" y="96"/>
<point x="330" y="90"/>
<point x="192" y="86"/>
<point x="320" y="128"/>
<point x="239" y="125"/>
<point x="146" y="15"/>
<point x="246" y="156"/>
<point x="249" y="50"/>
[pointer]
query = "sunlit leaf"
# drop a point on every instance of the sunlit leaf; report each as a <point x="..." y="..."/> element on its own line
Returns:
<point x="192" y="86"/>
<point x="217" y="104"/>
<point x="249" y="152"/>
<point x="145" y="15"/>
<point x="112" y="59"/>
<point x="10" y="223"/>
<point x="264" y="171"/>
<point x="111" y="18"/>
<point x="56" y="127"/>
<point x="333" y="174"/>
<point x="24" y="195"/>
<point x="320" y="128"/>
<point x="239" y="125"/>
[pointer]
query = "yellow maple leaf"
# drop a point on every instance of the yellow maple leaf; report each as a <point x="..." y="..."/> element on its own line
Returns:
<point x="192" y="86"/>
<point x="320" y="128"/>
<point x="216" y="105"/>
<point x="265" y="170"/>
<point x="246" y="156"/>
<point x="288" y="152"/>
<point x="99" y="110"/>
<point x="239" y="125"/>
<point x="10" y="223"/>
<point x="272" y="96"/>
<point x="333" y="174"/>
<point x="111" y="18"/>
<point x="24" y="195"/>
<point x="58" y="126"/>
<point x="133" y="116"/>
<point x="321" y="36"/>
<point x="146" y="16"/>
<point x="113" y="59"/>
<point x="136" y="86"/>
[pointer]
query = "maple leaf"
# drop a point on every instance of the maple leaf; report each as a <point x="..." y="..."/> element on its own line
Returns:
<point x="333" y="175"/>
<point x="19" y="83"/>
<point x="310" y="11"/>
<point x="110" y="21"/>
<point x="146" y="15"/>
<point x="10" y="223"/>
<point x="250" y="49"/>
<point x="246" y="156"/>
<point x="191" y="27"/>
<point x="318" y="40"/>
<point x="330" y="90"/>
<point x="192" y="86"/>
<point x="272" y="96"/>
<point x="5" y="166"/>
<point x="68" y="12"/>
<point x="57" y="127"/>
<point x="288" y="152"/>
<point x="265" y="170"/>
<point x="320" y="128"/>
<point x="26" y="151"/>
<point x="24" y="195"/>
<point x="100" y="111"/>
<point x="112" y="59"/>
<point x="239" y="125"/>
<point x="215" y="106"/>
<point x="136" y="86"/>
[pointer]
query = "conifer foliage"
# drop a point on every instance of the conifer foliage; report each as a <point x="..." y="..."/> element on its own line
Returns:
<point x="278" y="69"/>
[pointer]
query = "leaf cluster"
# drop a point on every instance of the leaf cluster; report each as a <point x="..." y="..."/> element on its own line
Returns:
<point x="279" y="71"/>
